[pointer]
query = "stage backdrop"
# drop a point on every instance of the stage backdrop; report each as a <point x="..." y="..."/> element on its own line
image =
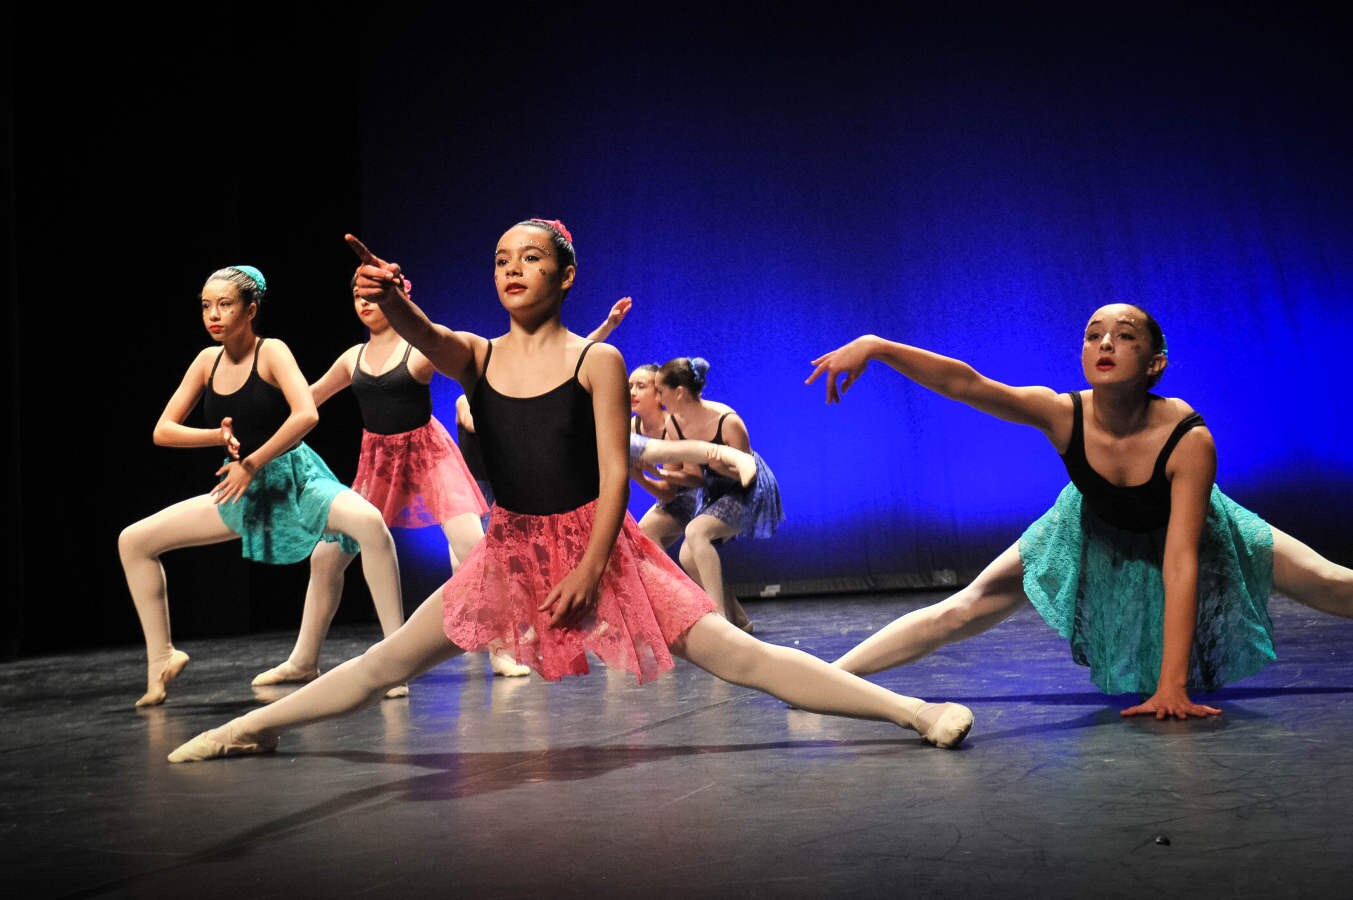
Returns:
<point x="766" y="184"/>
<point x="767" y="190"/>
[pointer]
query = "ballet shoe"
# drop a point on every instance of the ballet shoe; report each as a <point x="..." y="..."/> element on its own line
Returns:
<point x="397" y="692"/>
<point x="286" y="673"/>
<point x="204" y="747"/>
<point x="155" y="684"/>
<point x="505" y="665"/>
<point x="948" y="728"/>
<point x="734" y="463"/>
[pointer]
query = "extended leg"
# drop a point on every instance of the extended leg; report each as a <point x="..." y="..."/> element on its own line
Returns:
<point x="1308" y="578"/>
<point x="322" y="595"/>
<point x="189" y="523"/>
<point x="725" y="460"/>
<point x="416" y="647"/>
<point x="996" y="593"/>
<point x="807" y="682"/>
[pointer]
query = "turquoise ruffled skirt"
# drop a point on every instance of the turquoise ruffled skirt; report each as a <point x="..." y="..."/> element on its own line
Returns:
<point x="1101" y="588"/>
<point x="284" y="512"/>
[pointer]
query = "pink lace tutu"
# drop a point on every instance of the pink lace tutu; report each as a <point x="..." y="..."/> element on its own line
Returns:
<point x="646" y="603"/>
<point x="416" y="478"/>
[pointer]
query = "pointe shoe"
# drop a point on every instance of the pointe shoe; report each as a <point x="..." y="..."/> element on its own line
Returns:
<point x="286" y="673"/>
<point x="505" y="665"/>
<point x="204" y="747"/>
<point x="155" y="684"/>
<point x="397" y="692"/>
<point x="733" y="463"/>
<point x="950" y="726"/>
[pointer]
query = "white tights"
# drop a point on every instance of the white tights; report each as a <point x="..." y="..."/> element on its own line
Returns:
<point x="196" y="522"/>
<point x="1298" y="572"/>
<point x="712" y="643"/>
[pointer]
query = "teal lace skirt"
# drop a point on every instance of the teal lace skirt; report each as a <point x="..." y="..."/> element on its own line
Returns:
<point x="1101" y="588"/>
<point x="285" y="510"/>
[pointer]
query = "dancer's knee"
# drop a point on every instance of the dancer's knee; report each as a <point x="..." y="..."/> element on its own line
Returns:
<point x="371" y="533"/>
<point x="132" y="543"/>
<point x="379" y="669"/>
<point x="961" y="615"/>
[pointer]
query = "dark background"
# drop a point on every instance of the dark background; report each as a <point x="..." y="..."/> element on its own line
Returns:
<point x="766" y="181"/>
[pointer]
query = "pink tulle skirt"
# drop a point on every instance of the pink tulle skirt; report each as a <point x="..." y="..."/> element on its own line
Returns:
<point x="416" y="478"/>
<point x="646" y="603"/>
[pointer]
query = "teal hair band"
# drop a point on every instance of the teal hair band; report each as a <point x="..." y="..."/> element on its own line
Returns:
<point x="256" y="275"/>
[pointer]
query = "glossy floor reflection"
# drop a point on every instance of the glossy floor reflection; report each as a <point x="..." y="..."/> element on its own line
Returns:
<point x="594" y="787"/>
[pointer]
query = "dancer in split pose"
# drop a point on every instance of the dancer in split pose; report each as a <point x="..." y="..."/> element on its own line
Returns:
<point x="408" y="467"/>
<point x="563" y="570"/>
<point x="275" y="494"/>
<point x="1158" y="579"/>
<point x="727" y="508"/>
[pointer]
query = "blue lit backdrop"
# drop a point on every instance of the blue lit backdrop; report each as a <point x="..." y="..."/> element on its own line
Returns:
<point x="975" y="190"/>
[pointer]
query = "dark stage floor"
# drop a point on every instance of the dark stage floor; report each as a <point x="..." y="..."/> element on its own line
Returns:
<point x="594" y="787"/>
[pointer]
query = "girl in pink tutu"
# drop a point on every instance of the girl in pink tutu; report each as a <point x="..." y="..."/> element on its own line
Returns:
<point x="564" y="570"/>
<point x="409" y="468"/>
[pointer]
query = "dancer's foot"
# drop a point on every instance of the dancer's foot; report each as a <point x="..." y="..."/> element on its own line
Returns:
<point x="943" y="724"/>
<point x="504" y="664"/>
<point x="397" y="692"/>
<point x="159" y="674"/>
<point x="218" y="743"/>
<point x="287" y="673"/>
<point x="733" y="463"/>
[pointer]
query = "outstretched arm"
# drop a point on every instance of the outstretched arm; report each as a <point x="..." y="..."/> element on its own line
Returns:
<point x="613" y="320"/>
<point x="952" y="378"/>
<point x="1194" y="462"/>
<point x="381" y="282"/>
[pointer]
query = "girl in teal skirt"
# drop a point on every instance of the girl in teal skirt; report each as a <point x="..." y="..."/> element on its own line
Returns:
<point x="274" y="493"/>
<point x="1159" y="580"/>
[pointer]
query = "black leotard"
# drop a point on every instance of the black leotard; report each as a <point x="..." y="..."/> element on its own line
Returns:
<point x="1139" y="507"/>
<point x="393" y="402"/>
<point x="257" y="409"/>
<point x="540" y="452"/>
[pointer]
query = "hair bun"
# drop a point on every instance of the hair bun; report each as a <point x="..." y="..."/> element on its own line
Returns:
<point x="700" y="366"/>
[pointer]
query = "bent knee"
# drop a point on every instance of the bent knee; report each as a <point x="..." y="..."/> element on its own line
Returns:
<point x="131" y="541"/>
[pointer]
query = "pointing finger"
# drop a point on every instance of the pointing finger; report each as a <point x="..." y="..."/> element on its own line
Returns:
<point x="365" y="255"/>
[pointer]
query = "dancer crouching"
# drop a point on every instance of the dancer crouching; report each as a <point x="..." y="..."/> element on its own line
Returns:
<point x="274" y="493"/>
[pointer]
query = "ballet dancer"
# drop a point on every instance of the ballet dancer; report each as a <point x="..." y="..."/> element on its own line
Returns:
<point x="726" y="508"/>
<point x="275" y="494"/>
<point x="408" y="467"/>
<point x="564" y="570"/>
<point x="1159" y="580"/>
